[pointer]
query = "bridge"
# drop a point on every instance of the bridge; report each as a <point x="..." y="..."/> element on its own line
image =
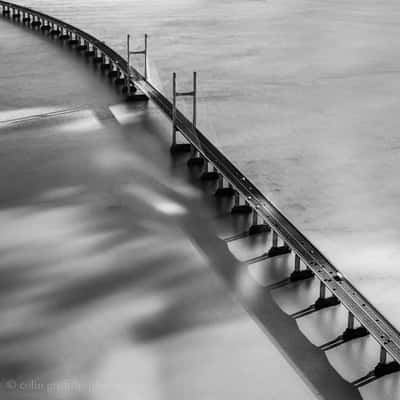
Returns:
<point x="309" y="262"/>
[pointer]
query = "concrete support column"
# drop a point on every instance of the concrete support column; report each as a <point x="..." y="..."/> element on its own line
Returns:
<point x="350" y="321"/>
<point x="296" y="263"/>
<point x="322" y="290"/>
<point x="174" y="109"/>
<point x="16" y="14"/>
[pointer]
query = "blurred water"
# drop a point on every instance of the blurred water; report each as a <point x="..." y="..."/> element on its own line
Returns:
<point x="302" y="96"/>
<point x="106" y="287"/>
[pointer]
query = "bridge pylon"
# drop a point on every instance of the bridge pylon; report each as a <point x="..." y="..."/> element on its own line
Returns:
<point x="129" y="78"/>
<point x="182" y="147"/>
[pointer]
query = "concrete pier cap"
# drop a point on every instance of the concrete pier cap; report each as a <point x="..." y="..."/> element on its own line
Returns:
<point x="36" y="22"/>
<point x="45" y="26"/>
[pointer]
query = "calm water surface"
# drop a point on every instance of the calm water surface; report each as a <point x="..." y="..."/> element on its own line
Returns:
<point x="302" y="95"/>
<point x="104" y="292"/>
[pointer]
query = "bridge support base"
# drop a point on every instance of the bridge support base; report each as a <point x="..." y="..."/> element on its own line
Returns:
<point x="137" y="96"/>
<point x="119" y="81"/>
<point x="195" y="162"/>
<point x="133" y="88"/>
<point x="257" y="229"/>
<point x="225" y="192"/>
<point x="243" y="209"/>
<point x="113" y="73"/>
<point x="381" y="369"/>
<point x="325" y="302"/>
<point x="354" y="333"/>
<point x="348" y="335"/>
<point x="98" y="60"/>
<point x="301" y="275"/>
<point x="105" y="67"/>
<point x="180" y="148"/>
<point x="278" y="251"/>
<point x="320" y="304"/>
<point x="209" y="176"/>
<point x="385" y="369"/>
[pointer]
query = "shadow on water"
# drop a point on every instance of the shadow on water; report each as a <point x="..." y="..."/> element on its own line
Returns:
<point x="102" y="243"/>
<point x="96" y="246"/>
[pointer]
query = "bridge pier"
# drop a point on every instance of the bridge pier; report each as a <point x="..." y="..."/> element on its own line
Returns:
<point x="26" y="18"/>
<point x="16" y="14"/>
<point x="349" y="334"/>
<point x="300" y="274"/>
<point x="135" y="95"/>
<point x="323" y="301"/>
<point x="120" y="79"/>
<point x="180" y="148"/>
<point x="129" y="88"/>
<point x="64" y="34"/>
<point x="243" y="209"/>
<point x="277" y="250"/>
<point x="224" y="192"/>
<point x="6" y="11"/>
<point x="257" y="228"/>
<point x="114" y="71"/>
<point x="90" y="50"/>
<point x="351" y="331"/>
<point x="196" y="160"/>
<point x="382" y="369"/>
<point x="82" y="45"/>
<point x="106" y="65"/>
<point x="45" y="27"/>
<point x="209" y="176"/>
<point x="35" y="22"/>
<point x="55" y="31"/>
<point x="98" y="56"/>
<point x="73" y="40"/>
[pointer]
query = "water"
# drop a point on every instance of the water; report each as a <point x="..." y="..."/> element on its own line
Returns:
<point x="107" y="288"/>
<point x="302" y="96"/>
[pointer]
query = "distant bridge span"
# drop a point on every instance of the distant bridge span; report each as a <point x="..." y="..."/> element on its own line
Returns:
<point x="309" y="261"/>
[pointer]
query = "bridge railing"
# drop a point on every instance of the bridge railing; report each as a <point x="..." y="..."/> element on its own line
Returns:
<point x="305" y="253"/>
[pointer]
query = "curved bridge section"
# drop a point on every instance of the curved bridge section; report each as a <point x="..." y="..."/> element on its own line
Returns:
<point x="102" y="54"/>
<point x="309" y="262"/>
